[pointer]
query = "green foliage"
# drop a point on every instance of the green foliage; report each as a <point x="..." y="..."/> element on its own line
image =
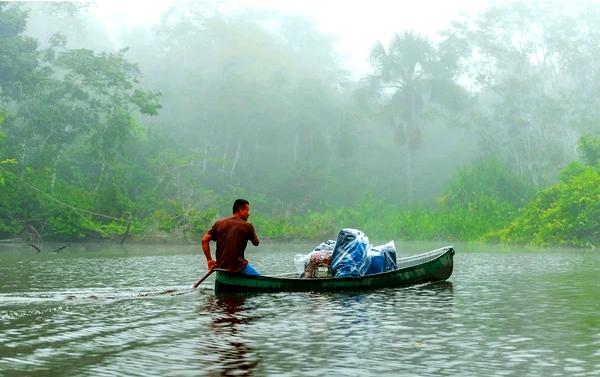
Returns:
<point x="9" y="219"/>
<point x="565" y="214"/>
<point x="3" y="161"/>
<point x="589" y="148"/>
<point x="111" y="200"/>
<point x="478" y="201"/>
<point x="68" y="106"/>
<point x="311" y="225"/>
<point x="3" y="172"/>
<point x="256" y="106"/>
<point x="172" y="217"/>
<point x="18" y="54"/>
<point x="572" y="170"/>
<point x="28" y="208"/>
<point x="32" y="206"/>
<point x="488" y="179"/>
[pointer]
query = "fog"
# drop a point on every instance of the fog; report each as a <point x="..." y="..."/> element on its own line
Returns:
<point x="302" y="106"/>
<point x="322" y="49"/>
<point x="354" y="26"/>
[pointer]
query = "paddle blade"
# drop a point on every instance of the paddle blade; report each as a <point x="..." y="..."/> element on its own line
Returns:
<point x="197" y="283"/>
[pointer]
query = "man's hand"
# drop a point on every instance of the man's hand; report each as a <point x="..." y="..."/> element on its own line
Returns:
<point x="211" y="264"/>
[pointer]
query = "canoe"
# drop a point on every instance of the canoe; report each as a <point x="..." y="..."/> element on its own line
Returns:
<point x="434" y="265"/>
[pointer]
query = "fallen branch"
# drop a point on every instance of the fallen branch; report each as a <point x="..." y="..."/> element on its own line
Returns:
<point x="60" y="248"/>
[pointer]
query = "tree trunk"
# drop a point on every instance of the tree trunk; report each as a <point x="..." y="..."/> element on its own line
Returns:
<point x="100" y="176"/>
<point x="55" y="168"/>
<point x="237" y="156"/>
<point x="226" y="149"/>
<point x="43" y="146"/>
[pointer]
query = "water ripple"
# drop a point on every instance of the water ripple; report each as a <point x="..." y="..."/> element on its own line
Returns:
<point x="501" y="314"/>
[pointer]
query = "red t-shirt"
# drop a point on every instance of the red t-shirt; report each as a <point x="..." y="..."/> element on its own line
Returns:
<point x="232" y="235"/>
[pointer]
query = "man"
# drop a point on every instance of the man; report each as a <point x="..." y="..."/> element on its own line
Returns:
<point x="232" y="235"/>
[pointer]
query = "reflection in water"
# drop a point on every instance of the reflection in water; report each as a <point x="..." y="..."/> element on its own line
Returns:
<point x="228" y="325"/>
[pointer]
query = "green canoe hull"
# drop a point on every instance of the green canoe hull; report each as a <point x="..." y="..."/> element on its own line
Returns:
<point x="435" y="265"/>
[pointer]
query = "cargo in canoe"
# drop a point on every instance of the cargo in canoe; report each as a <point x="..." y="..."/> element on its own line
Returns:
<point x="432" y="266"/>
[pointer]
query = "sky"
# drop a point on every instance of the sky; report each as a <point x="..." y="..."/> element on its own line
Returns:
<point x="356" y="25"/>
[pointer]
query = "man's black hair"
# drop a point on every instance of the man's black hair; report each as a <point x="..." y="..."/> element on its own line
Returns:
<point x="239" y="204"/>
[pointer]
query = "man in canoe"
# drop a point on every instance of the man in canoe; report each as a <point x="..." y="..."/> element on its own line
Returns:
<point x="232" y="235"/>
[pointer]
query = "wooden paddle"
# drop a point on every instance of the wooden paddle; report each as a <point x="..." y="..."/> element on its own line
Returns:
<point x="197" y="283"/>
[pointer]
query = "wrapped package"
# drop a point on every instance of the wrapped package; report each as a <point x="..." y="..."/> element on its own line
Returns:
<point x="389" y="252"/>
<point x="349" y="258"/>
<point x="382" y="258"/>
<point x="317" y="263"/>
<point x="376" y="262"/>
<point x="327" y="245"/>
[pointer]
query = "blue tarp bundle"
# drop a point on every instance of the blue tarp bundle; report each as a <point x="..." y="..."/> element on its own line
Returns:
<point x="382" y="258"/>
<point x="349" y="257"/>
<point x="376" y="264"/>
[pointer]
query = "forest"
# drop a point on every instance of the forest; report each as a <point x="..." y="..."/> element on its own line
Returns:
<point x="487" y="131"/>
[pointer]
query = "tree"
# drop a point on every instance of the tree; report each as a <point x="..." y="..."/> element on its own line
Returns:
<point x="533" y="70"/>
<point x="19" y="55"/>
<point x="409" y="75"/>
<point x="65" y="110"/>
<point x="255" y="104"/>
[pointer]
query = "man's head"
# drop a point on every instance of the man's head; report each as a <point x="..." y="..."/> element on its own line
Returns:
<point x="241" y="209"/>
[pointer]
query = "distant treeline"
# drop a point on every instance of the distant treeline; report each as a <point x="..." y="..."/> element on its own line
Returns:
<point x="489" y="133"/>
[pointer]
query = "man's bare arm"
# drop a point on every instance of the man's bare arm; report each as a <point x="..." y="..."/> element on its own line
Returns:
<point x="206" y="249"/>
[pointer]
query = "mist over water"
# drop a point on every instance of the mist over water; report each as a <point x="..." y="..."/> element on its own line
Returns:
<point x="132" y="311"/>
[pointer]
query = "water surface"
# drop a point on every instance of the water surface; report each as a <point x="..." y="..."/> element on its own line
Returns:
<point x="103" y="310"/>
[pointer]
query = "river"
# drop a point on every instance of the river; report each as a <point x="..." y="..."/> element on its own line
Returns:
<point x="104" y="310"/>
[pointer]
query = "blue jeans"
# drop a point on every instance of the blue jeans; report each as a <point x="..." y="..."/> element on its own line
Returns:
<point x="249" y="270"/>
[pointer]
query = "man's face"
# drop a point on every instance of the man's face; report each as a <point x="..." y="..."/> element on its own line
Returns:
<point x="245" y="212"/>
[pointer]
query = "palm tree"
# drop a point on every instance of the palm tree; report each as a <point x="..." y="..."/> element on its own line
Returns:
<point x="407" y="75"/>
